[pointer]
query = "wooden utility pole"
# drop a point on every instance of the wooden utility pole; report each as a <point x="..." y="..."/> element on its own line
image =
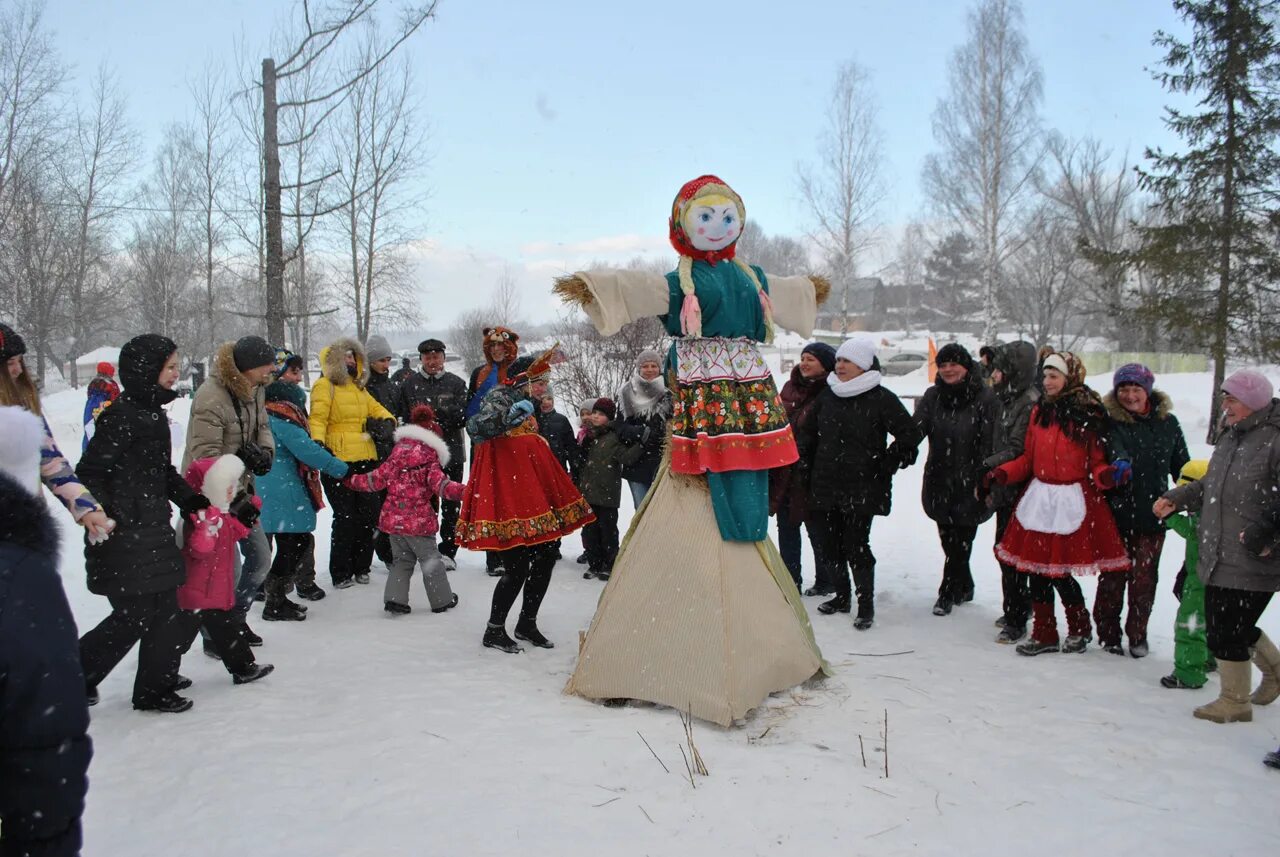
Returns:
<point x="271" y="205"/>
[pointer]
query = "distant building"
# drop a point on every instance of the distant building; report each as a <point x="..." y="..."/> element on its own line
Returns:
<point x="875" y="305"/>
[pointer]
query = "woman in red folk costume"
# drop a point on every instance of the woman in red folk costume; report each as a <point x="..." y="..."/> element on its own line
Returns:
<point x="1062" y="525"/>
<point x="518" y="500"/>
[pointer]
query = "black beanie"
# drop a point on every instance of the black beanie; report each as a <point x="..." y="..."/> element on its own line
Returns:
<point x="142" y="358"/>
<point x="823" y="353"/>
<point x="252" y="352"/>
<point x="11" y="344"/>
<point x="954" y="352"/>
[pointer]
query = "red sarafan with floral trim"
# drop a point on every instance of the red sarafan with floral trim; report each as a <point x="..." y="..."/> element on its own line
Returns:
<point x="518" y="495"/>
<point x="1062" y="525"/>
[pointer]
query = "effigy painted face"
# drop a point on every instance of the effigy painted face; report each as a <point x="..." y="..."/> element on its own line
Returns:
<point x="712" y="222"/>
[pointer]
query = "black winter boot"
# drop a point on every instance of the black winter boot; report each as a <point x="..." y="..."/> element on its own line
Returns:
<point x="495" y="637"/>
<point x="528" y="631"/>
<point x="309" y="591"/>
<point x="169" y="703"/>
<point x="397" y="609"/>
<point x="942" y="607"/>
<point x="839" y="604"/>
<point x="281" y="609"/>
<point x="252" y="673"/>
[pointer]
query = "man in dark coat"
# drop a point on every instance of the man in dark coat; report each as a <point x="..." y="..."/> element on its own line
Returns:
<point x="446" y="393"/>
<point x="957" y="415"/>
<point x="1014" y="370"/>
<point x="403" y="372"/>
<point x="44" y="718"/>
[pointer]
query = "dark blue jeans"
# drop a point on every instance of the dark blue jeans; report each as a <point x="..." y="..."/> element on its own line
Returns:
<point x="789" y="542"/>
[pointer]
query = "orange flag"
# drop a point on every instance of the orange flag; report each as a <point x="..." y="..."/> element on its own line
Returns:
<point x="933" y="360"/>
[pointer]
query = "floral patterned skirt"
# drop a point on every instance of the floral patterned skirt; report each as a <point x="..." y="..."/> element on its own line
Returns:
<point x="518" y="495"/>
<point x="726" y="414"/>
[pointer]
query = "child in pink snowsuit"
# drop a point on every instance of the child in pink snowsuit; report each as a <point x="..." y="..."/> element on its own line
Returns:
<point x="209" y="545"/>
<point x="412" y="475"/>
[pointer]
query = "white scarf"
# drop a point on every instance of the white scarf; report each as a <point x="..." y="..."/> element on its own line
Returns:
<point x="854" y="386"/>
<point x="639" y="397"/>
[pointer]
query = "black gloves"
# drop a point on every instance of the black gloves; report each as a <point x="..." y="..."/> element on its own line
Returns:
<point x="256" y="458"/>
<point x="194" y="504"/>
<point x="243" y="508"/>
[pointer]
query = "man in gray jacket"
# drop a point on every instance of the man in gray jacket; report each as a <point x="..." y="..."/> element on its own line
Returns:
<point x="446" y="393"/>
<point x="229" y="417"/>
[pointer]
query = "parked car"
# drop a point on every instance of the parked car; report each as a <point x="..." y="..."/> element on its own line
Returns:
<point x="904" y="363"/>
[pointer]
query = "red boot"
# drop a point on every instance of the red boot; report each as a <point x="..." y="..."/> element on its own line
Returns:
<point x="1044" y="631"/>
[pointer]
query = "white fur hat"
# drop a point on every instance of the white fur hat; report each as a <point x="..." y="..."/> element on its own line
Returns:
<point x="860" y="351"/>
<point x="23" y="434"/>
<point x="224" y="474"/>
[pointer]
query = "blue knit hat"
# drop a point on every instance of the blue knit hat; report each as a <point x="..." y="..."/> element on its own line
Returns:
<point x="1134" y="373"/>
<point x="823" y="353"/>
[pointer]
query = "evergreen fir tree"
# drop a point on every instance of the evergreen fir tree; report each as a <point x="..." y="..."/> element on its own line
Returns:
<point x="1213" y="249"/>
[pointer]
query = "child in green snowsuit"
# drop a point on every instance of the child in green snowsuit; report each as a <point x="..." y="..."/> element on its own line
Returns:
<point x="1190" y="651"/>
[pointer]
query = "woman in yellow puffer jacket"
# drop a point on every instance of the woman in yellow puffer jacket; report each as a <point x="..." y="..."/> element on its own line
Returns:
<point x="341" y="411"/>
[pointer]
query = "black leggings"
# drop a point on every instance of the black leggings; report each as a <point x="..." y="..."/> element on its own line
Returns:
<point x="355" y="514"/>
<point x="292" y="552"/>
<point x="842" y="543"/>
<point x="151" y="620"/>
<point x="1042" y="589"/>
<point x="957" y="545"/>
<point x="1014" y="584"/>
<point x="225" y="629"/>
<point x="523" y="567"/>
<point x="1231" y="616"/>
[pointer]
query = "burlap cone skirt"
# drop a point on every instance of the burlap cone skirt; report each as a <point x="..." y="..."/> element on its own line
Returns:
<point x="692" y="621"/>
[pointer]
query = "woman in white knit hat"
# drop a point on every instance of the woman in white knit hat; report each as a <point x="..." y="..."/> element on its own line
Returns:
<point x="849" y="465"/>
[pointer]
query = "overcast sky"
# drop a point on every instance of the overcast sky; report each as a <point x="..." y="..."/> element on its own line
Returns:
<point x="561" y="129"/>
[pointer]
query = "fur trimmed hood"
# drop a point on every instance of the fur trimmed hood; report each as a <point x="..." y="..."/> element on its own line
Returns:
<point x="430" y="438"/>
<point x="1161" y="407"/>
<point x="213" y="476"/>
<point x="25" y="519"/>
<point x="226" y="373"/>
<point x="333" y="361"/>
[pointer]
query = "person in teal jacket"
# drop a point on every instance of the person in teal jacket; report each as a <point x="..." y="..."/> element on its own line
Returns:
<point x="1190" y="649"/>
<point x="291" y="493"/>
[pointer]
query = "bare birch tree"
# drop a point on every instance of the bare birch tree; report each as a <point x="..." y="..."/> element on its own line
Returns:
<point x="210" y="189"/>
<point x="322" y="29"/>
<point x="31" y="79"/>
<point x="164" y="255"/>
<point x="988" y="129"/>
<point x="843" y="193"/>
<point x="377" y="151"/>
<point x="775" y="254"/>
<point x="1099" y="197"/>
<point x="34" y="259"/>
<point x="1042" y="292"/>
<point x="98" y="162"/>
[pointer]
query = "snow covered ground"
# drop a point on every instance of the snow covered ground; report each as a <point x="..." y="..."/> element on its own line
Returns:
<point x="380" y="736"/>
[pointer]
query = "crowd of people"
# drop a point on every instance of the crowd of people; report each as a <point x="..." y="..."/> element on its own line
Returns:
<point x="1078" y="483"/>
